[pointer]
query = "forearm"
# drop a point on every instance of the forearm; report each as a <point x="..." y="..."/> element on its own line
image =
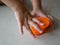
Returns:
<point x="14" y="4"/>
<point x="36" y="4"/>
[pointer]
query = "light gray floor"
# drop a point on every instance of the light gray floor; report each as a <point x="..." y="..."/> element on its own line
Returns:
<point x="10" y="35"/>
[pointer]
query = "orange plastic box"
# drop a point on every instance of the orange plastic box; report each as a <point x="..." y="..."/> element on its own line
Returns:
<point x="43" y="28"/>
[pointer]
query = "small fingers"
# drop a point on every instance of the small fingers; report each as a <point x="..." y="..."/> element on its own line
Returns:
<point x="36" y="24"/>
<point x="28" y="28"/>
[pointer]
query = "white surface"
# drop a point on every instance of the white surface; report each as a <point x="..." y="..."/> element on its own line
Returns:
<point x="10" y="35"/>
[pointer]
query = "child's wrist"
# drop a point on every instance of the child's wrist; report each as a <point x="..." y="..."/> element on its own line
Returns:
<point x="19" y="8"/>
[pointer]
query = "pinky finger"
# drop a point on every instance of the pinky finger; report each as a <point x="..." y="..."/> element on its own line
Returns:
<point x="20" y="27"/>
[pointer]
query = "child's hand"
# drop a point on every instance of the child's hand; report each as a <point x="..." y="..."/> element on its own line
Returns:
<point x="22" y="18"/>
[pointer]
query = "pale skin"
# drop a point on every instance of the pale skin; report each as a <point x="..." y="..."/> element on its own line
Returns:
<point x="23" y="15"/>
